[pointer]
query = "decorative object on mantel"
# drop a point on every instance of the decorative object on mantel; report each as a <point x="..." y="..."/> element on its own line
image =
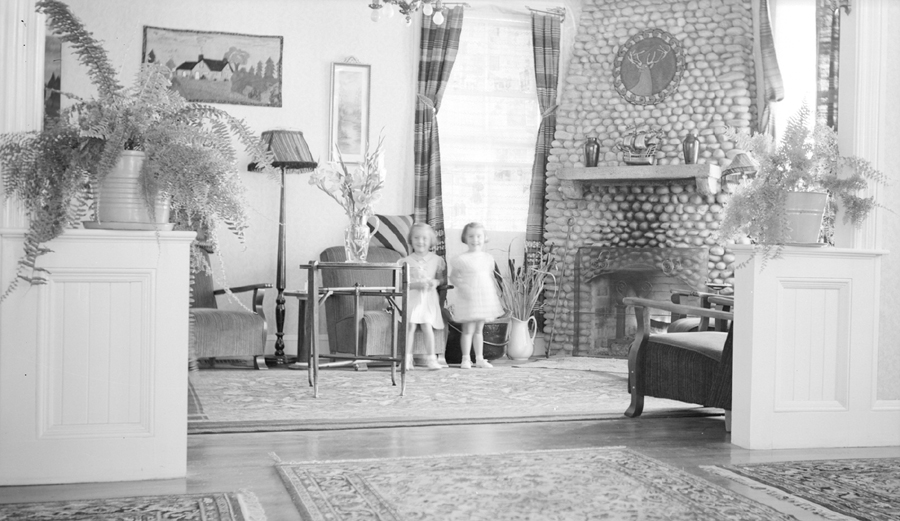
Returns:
<point x="356" y="189"/>
<point x="591" y="152"/>
<point x="434" y="8"/>
<point x="639" y="146"/>
<point x="648" y="68"/>
<point x="803" y="162"/>
<point x="690" y="148"/>
<point x="290" y="152"/>
<point x="55" y="172"/>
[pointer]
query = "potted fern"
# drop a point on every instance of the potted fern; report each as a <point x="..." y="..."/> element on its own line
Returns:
<point x="185" y="154"/>
<point x="764" y="209"/>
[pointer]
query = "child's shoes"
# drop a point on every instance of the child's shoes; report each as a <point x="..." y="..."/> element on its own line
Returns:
<point x="431" y="363"/>
<point x="465" y="364"/>
<point x="484" y="364"/>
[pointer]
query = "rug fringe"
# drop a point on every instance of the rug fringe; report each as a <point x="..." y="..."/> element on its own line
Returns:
<point x="251" y="506"/>
<point x="275" y="457"/>
<point x="778" y="493"/>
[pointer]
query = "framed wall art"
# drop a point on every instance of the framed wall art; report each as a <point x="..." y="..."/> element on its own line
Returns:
<point x="349" y="118"/>
<point x="213" y="67"/>
<point x="648" y="68"/>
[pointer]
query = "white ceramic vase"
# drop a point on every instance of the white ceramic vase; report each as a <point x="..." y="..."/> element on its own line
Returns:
<point x="520" y="345"/>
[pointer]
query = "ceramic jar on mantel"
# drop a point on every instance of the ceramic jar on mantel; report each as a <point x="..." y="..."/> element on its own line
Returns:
<point x="591" y="152"/>
<point x="690" y="147"/>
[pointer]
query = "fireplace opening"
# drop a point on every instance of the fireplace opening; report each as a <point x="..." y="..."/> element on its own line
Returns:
<point x="604" y="276"/>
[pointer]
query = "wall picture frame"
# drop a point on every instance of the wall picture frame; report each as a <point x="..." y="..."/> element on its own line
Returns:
<point x="218" y="67"/>
<point x="349" y="114"/>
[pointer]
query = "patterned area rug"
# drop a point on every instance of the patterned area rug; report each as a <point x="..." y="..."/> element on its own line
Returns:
<point x="229" y="506"/>
<point x="235" y="400"/>
<point x="867" y="489"/>
<point x="613" y="483"/>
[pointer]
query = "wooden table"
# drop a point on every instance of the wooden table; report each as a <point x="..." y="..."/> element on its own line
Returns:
<point x="399" y="312"/>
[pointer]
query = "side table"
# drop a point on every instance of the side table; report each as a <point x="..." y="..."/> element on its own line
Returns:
<point x="399" y="313"/>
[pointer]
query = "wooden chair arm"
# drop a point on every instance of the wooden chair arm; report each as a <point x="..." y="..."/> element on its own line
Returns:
<point x="259" y="295"/>
<point x="677" y="308"/>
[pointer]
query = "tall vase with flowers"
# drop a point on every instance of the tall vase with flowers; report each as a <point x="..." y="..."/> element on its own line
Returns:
<point x="356" y="189"/>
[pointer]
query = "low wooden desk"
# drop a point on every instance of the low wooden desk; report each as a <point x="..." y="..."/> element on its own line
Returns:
<point x="399" y="314"/>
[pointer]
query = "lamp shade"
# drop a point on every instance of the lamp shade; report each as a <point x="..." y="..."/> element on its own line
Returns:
<point x="741" y="164"/>
<point x="290" y="150"/>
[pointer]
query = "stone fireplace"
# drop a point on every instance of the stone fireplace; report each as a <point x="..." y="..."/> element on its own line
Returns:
<point x="666" y="206"/>
<point x="604" y="276"/>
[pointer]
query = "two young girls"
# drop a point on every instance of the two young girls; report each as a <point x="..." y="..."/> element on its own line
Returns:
<point x="472" y="276"/>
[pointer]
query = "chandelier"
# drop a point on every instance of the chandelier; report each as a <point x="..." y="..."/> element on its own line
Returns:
<point x="385" y="9"/>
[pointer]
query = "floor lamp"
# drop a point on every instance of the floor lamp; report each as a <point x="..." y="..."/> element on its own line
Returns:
<point x="291" y="153"/>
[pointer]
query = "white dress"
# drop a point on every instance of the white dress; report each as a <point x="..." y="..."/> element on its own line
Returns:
<point x="424" y="306"/>
<point x="474" y="288"/>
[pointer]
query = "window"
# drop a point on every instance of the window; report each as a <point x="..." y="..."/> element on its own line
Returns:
<point x="794" y="31"/>
<point x="489" y="118"/>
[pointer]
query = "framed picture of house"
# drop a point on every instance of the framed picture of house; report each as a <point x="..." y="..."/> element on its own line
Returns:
<point x="214" y="67"/>
<point x="349" y="117"/>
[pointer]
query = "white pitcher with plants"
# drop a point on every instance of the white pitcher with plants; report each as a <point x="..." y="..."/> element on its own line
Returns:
<point x="521" y="290"/>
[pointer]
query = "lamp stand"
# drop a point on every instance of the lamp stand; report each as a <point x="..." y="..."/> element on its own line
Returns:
<point x="280" y="282"/>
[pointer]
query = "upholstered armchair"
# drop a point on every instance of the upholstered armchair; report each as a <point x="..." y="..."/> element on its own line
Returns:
<point x="692" y="367"/>
<point x="219" y="333"/>
<point x="375" y="321"/>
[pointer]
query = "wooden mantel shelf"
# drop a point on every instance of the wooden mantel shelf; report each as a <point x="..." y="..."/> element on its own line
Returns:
<point x="706" y="176"/>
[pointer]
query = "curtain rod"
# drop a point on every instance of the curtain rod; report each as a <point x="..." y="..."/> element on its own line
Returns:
<point x="555" y="11"/>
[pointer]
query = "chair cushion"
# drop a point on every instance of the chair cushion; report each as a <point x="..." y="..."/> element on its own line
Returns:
<point x="706" y="343"/>
<point x="375" y="336"/>
<point x="391" y="232"/>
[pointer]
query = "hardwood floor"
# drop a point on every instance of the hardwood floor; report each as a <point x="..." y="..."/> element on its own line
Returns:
<point x="227" y="462"/>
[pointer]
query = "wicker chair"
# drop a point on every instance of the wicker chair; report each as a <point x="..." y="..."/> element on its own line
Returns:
<point x="375" y="322"/>
<point x="692" y="367"/>
<point x="218" y="333"/>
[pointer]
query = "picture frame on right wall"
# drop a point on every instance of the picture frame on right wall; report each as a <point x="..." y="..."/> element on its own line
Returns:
<point x="349" y="114"/>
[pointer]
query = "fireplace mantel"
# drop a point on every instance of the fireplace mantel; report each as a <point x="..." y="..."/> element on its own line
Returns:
<point x="573" y="178"/>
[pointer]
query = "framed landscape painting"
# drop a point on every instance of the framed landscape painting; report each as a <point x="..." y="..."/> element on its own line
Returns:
<point x="213" y="67"/>
<point x="349" y="111"/>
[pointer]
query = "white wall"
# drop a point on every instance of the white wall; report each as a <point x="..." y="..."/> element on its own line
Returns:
<point x="316" y="34"/>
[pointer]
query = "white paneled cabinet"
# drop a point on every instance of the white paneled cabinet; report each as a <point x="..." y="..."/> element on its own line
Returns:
<point x="806" y="351"/>
<point x="93" y="365"/>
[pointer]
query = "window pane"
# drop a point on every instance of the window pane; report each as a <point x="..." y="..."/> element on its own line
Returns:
<point x="488" y="123"/>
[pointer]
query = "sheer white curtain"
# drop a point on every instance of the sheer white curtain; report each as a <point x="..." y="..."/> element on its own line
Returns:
<point x="489" y="118"/>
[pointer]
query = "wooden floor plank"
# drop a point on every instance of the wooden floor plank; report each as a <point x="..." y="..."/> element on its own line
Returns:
<point x="227" y="462"/>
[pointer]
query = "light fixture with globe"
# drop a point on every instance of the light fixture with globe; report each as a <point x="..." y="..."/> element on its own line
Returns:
<point x="385" y="9"/>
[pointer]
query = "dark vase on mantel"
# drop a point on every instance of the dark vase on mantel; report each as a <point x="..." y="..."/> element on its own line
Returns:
<point x="591" y="151"/>
<point x="690" y="147"/>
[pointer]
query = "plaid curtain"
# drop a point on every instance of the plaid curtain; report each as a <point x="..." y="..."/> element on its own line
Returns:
<point x="545" y="41"/>
<point x="772" y="83"/>
<point x="439" y="46"/>
<point x="828" y="39"/>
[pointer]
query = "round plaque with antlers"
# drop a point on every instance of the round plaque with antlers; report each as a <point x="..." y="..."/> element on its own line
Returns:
<point x="648" y="67"/>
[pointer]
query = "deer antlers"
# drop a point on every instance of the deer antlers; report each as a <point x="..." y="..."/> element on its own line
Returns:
<point x="653" y="56"/>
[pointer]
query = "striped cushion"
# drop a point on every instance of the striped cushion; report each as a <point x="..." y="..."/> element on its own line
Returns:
<point x="391" y="232"/>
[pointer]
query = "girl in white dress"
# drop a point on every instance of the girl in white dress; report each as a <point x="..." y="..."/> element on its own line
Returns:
<point x="427" y="271"/>
<point x="472" y="277"/>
